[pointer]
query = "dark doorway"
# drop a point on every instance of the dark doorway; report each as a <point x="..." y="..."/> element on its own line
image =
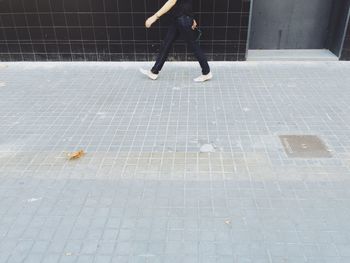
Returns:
<point x="292" y="24"/>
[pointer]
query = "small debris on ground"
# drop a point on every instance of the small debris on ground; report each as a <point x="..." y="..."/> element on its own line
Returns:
<point x="207" y="148"/>
<point x="228" y="222"/>
<point x="68" y="253"/>
<point x="31" y="200"/>
<point x="2" y="84"/>
<point x="76" y="155"/>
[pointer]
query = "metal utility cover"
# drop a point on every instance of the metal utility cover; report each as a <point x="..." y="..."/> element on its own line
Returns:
<point x="304" y="146"/>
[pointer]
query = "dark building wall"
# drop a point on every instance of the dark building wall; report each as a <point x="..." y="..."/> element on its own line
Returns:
<point x="113" y="30"/>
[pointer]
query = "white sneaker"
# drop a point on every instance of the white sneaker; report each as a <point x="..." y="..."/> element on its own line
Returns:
<point x="149" y="74"/>
<point x="203" y="78"/>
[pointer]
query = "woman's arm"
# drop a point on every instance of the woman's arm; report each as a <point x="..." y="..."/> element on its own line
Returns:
<point x="165" y="9"/>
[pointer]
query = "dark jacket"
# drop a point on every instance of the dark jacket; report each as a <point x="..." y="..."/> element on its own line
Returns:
<point x="182" y="7"/>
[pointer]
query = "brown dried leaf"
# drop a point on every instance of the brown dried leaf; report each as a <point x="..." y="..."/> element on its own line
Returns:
<point x="76" y="155"/>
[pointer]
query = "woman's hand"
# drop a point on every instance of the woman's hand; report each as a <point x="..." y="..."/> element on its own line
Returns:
<point x="150" y="21"/>
<point x="194" y="25"/>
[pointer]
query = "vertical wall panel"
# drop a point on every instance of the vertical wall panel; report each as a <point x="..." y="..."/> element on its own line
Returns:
<point x="346" y="48"/>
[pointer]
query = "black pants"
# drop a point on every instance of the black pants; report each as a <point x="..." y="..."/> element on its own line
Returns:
<point x="181" y="26"/>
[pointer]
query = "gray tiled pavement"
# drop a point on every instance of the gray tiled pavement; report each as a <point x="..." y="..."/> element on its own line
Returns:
<point x="144" y="193"/>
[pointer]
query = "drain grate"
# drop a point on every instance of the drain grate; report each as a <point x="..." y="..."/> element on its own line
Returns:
<point x="304" y="146"/>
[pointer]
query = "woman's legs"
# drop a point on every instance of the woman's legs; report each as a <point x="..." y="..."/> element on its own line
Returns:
<point x="185" y="27"/>
<point x="171" y="36"/>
